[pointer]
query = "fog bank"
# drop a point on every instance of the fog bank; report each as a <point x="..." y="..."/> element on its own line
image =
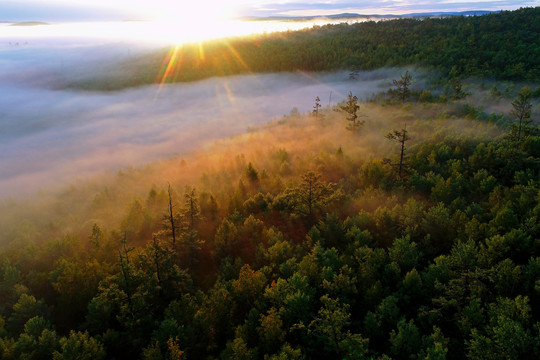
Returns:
<point x="50" y="136"/>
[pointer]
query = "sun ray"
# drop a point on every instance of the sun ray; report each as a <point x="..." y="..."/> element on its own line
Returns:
<point x="171" y="65"/>
<point x="229" y="93"/>
<point x="307" y="75"/>
<point x="237" y="56"/>
<point x="201" y="52"/>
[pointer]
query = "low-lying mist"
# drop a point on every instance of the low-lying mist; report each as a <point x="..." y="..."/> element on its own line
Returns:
<point x="50" y="136"/>
<point x="113" y="147"/>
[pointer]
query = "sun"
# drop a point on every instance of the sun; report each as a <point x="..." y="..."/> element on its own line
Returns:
<point x="181" y="21"/>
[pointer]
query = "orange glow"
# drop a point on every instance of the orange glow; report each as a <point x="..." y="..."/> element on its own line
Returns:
<point x="171" y="64"/>
<point x="201" y="52"/>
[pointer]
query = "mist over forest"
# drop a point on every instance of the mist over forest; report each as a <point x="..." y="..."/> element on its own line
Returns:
<point x="51" y="135"/>
<point x="351" y="191"/>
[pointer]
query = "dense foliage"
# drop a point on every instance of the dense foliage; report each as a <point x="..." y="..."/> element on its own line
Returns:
<point x="504" y="45"/>
<point x="322" y="254"/>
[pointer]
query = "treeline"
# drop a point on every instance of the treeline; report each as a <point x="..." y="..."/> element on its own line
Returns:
<point x="503" y="45"/>
<point x="288" y="255"/>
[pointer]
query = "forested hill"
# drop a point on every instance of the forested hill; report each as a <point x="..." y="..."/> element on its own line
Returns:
<point x="402" y="229"/>
<point x="503" y="45"/>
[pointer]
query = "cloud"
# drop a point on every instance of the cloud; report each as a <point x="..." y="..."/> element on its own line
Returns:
<point x="384" y="7"/>
<point x="50" y="11"/>
<point x="76" y="10"/>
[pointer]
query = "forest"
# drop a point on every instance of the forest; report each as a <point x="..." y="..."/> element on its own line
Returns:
<point x="402" y="226"/>
<point x="503" y="45"/>
<point x="267" y="247"/>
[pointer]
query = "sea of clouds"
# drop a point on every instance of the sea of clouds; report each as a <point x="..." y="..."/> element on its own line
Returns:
<point x="51" y="135"/>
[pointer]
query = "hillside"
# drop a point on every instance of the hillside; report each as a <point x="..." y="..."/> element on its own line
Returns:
<point x="504" y="45"/>
<point x="299" y="239"/>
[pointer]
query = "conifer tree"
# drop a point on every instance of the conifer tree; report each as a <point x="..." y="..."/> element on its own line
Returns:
<point x="401" y="137"/>
<point x="188" y="227"/>
<point x="317" y="107"/>
<point x="521" y="110"/>
<point x="402" y="86"/>
<point x="125" y="268"/>
<point x="351" y="108"/>
<point x="456" y="85"/>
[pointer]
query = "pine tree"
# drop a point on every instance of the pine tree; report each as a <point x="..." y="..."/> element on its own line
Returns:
<point x="402" y="86"/>
<point x="456" y="85"/>
<point x="317" y="107"/>
<point x="191" y="214"/>
<point x="522" y="110"/>
<point x="311" y="196"/>
<point x="401" y="137"/>
<point x="125" y="268"/>
<point x="351" y="108"/>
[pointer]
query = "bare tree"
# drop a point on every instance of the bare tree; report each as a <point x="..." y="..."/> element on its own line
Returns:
<point x="171" y="218"/>
<point x="401" y="137"/>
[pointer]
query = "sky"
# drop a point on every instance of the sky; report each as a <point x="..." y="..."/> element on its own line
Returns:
<point x="91" y="10"/>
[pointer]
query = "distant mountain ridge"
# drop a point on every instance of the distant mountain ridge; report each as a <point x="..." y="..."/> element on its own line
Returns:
<point x="361" y="16"/>
<point x="29" y="23"/>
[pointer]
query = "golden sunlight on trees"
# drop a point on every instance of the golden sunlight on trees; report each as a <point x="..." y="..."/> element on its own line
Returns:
<point x="310" y="197"/>
<point x="294" y="241"/>
<point x="350" y="108"/>
<point x="190" y="243"/>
